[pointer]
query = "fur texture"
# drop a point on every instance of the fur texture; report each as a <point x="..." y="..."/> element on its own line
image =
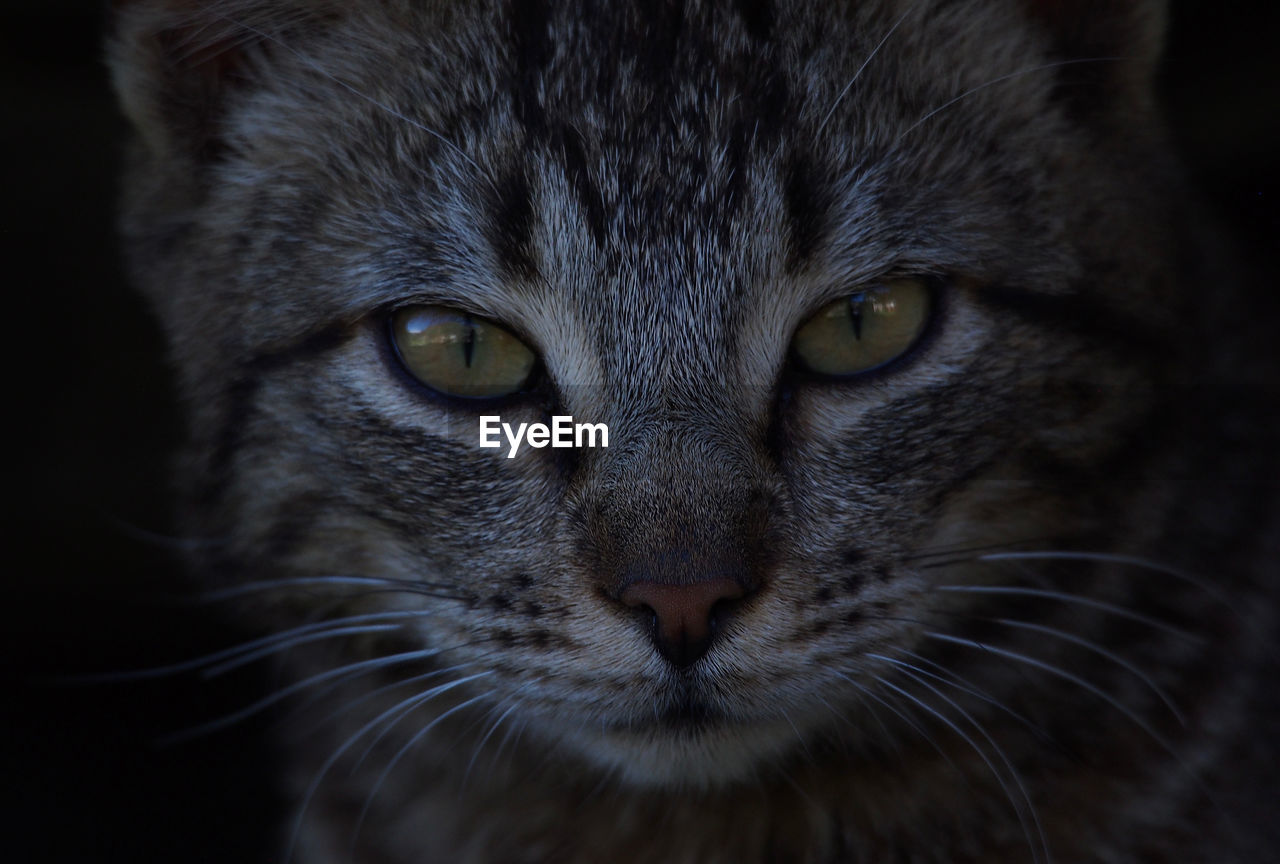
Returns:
<point x="1009" y="596"/>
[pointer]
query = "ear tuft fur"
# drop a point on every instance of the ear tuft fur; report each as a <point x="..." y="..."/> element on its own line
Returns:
<point x="175" y="64"/>
<point x="1110" y="48"/>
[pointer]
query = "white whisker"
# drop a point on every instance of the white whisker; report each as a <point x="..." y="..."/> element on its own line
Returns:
<point x="346" y="745"/>
<point x="351" y="705"/>
<point x="982" y="754"/>
<point x="965" y="685"/>
<point x="493" y="727"/>
<point x="241" y="590"/>
<point x="320" y="693"/>
<point x="403" y="711"/>
<point x="858" y="74"/>
<point x="914" y="672"/>
<point x="1098" y="649"/>
<point x="1061" y="673"/>
<point x="297" y="687"/>
<point x="165" y="541"/>
<point x="1108" y="558"/>
<point x="513" y="733"/>
<point x="413" y="740"/>
<point x="1076" y="599"/>
<point x="255" y="648"/>
<point x="286" y="644"/>
<point x="1018" y="74"/>
<point x="915" y="727"/>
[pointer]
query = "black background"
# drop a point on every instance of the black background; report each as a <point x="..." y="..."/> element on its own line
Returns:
<point x="90" y="418"/>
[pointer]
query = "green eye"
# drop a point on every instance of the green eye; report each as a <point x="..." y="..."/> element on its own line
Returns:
<point x="459" y="355"/>
<point x="864" y="330"/>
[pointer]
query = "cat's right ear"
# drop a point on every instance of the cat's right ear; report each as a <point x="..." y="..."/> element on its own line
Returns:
<point x="1109" y="51"/>
<point x="177" y="64"/>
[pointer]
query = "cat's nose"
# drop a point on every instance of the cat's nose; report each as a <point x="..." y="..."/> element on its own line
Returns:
<point x="684" y="616"/>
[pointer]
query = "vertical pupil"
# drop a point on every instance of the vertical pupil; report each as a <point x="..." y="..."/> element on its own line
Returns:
<point x="855" y="314"/>
<point x="469" y="343"/>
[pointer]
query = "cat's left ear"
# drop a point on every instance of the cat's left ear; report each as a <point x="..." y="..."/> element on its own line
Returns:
<point x="1110" y="50"/>
<point x="178" y="64"/>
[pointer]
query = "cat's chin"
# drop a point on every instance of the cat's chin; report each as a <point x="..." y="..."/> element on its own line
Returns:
<point x="686" y="752"/>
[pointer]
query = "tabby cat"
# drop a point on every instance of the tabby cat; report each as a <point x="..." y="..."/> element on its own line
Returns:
<point x="933" y="526"/>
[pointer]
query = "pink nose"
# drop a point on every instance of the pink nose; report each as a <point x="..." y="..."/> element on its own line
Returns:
<point x="684" y="615"/>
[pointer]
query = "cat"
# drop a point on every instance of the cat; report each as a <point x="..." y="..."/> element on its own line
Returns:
<point x="936" y="518"/>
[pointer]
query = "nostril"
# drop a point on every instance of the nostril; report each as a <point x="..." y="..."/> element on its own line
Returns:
<point x="721" y="610"/>
<point x="649" y="614"/>
<point x="684" y="617"/>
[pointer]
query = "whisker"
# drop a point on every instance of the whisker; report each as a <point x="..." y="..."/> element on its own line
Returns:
<point x="982" y="754"/>
<point x="915" y="727"/>
<point x="266" y="702"/>
<point x="965" y="685"/>
<point x="1018" y="74"/>
<point x="607" y="778"/>
<point x="163" y="541"/>
<point x="386" y="772"/>
<point x="252" y="649"/>
<point x="1098" y="649"/>
<point x="196" y="43"/>
<point x="1076" y="599"/>
<point x="914" y="672"/>
<point x="351" y="705"/>
<point x="844" y="718"/>
<point x="1126" y="560"/>
<point x="493" y="727"/>
<point x="804" y="745"/>
<point x="337" y="754"/>
<point x="404" y="710"/>
<point x="1061" y="673"/>
<point x="319" y="694"/>
<point x="858" y="74"/>
<point x="1159" y="739"/>
<point x="514" y="731"/>
<point x="285" y="645"/>
<point x="406" y="585"/>
<point x="797" y="788"/>
<point x="966" y="549"/>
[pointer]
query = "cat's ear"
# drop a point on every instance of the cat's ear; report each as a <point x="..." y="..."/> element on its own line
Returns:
<point x="176" y="64"/>
<point x="1109" y="50"/>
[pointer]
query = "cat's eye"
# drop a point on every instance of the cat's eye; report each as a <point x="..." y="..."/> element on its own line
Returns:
<point x="865" y="330"/>
<point x="458" y="354"/>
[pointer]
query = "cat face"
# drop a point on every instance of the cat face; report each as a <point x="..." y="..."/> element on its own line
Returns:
<point x="655" y="202"/>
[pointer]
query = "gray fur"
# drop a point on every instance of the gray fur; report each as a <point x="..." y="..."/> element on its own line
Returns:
<point x="654" y="200"/>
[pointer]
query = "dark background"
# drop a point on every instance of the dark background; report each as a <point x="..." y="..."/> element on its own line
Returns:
<point x="90" y="418"/>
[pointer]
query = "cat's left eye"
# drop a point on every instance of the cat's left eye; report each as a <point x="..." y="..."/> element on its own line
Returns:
<point x="864" y="330"/>
<point x="458" y="354"/>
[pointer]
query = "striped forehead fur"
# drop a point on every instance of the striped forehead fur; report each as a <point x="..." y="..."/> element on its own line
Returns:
<point x="654" y="198"/>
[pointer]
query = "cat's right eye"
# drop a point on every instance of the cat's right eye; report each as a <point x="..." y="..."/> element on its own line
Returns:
<point x="865" y="330"/>
<point x="458" y="354"/>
